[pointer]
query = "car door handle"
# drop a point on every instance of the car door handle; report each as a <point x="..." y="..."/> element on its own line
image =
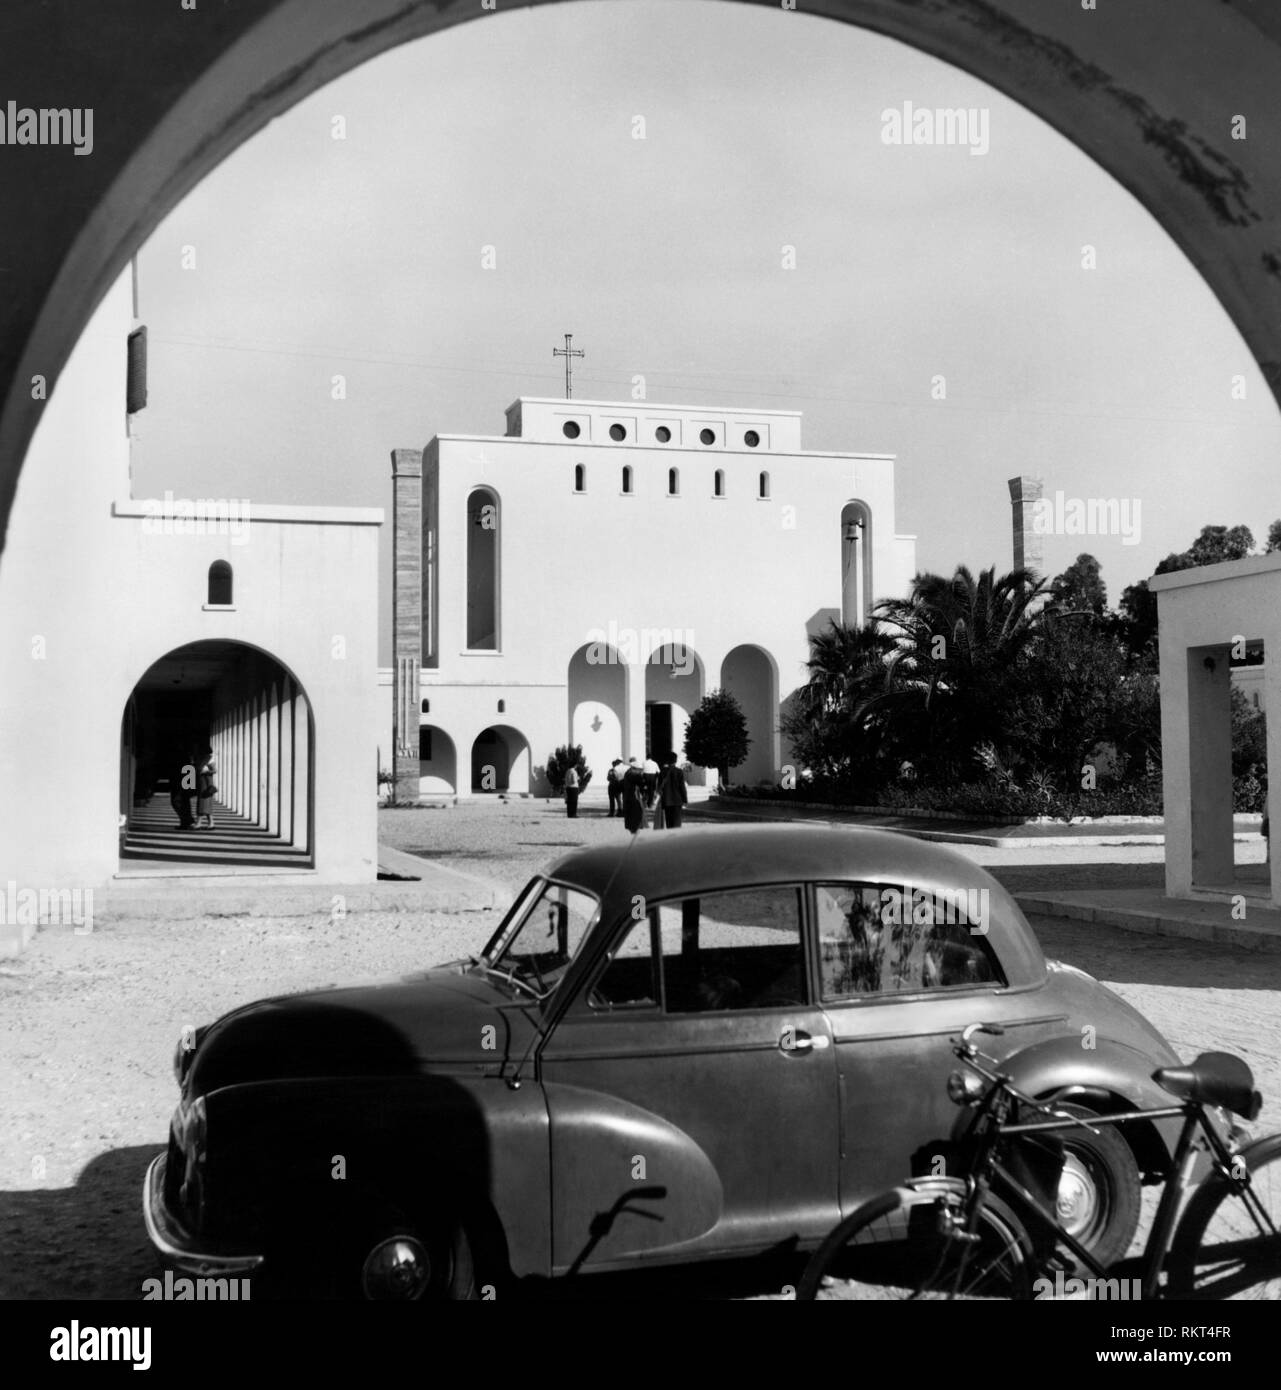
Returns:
<point x="798" y="1040"/>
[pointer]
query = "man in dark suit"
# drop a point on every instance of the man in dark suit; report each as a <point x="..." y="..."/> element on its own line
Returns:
<point x="672" y="794"/>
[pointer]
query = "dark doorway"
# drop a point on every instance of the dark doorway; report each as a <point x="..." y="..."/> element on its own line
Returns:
<point x="658" y="730"/>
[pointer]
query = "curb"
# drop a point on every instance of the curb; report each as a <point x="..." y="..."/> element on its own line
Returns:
<point x="1239" y="934"/>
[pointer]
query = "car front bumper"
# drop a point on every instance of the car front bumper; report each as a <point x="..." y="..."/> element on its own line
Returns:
<point x="175" y="1244"/>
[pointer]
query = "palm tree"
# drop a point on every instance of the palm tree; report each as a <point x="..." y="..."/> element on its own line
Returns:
<point x="955" y="643"/>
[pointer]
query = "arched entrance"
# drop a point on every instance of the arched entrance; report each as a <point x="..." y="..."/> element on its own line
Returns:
<point x="674" y="685"/>
<point x="500" y="761"/>
<point x="597" y="691"/>
<point x="437" y="762"/>
<point x="240" y="707"/>
<point x="749" y="674"/>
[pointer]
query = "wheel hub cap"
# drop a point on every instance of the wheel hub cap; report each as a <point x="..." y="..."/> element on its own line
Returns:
<point x="397" y="1268"/>
<point x="1078" y="1198"/>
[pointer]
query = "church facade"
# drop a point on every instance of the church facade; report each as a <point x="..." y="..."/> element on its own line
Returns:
<point x="590" y="574"/>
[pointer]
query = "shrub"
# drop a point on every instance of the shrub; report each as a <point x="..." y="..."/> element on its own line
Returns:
<point x="561" y="761"/>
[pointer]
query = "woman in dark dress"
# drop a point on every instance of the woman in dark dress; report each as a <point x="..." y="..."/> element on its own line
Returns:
<point x="633" y="796"/>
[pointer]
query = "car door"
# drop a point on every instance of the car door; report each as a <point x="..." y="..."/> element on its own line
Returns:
<point x="898" y="986"/>
<point x="692" y="1088"/>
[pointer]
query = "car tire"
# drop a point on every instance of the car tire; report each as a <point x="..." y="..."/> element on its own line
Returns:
<point x="394" y="1258"/>
<point x="1099" y="1192"/>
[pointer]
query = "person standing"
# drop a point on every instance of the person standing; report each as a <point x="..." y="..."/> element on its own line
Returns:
<point x="633" y="796"/>
<point x="571" y="792"/>
<point x="650" y="773"/>
<point x="614" y="786"/>
<point x="205" y="792"/>
<point x="672" y="794"/>
<point x="182" y="784"/>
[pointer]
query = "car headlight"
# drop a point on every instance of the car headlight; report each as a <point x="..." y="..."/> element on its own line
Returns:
<point x="964" y="1088"/>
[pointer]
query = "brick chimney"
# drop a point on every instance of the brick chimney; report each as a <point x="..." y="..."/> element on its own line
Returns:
<point x="407" y="616"/>
<point x="1024" y="494"/>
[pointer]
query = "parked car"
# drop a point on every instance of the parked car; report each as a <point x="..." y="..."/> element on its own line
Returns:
<point x="674" y="1048"/>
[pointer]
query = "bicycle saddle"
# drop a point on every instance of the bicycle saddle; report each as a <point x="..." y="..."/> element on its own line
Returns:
<point x="1215" y="1078"/>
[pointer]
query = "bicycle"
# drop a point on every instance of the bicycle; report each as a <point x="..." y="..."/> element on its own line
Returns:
<point x="989" y="1230"/>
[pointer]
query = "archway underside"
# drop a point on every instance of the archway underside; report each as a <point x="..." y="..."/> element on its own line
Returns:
<point x="183" y="92"/>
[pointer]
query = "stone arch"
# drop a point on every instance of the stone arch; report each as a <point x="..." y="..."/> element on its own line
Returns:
<point x="188" y="98"/>
<point x="246" y="708"/>
<point x="500" y="761"/>
<point x="750" y="674"/>
<point x="675" y="682"/>
<point x="596" y="691"/>
<point x="437" y="761"/>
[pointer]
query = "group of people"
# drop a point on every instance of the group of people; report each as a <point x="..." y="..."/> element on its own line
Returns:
<point x="635" y="787"/>
<point x="192" y="778"/>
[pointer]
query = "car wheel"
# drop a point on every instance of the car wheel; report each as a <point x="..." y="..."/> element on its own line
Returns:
<point x="1099" y="1190"/>
<point x="403" y="1260"/>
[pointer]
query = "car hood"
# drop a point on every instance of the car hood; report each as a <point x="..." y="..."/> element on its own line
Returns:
<point x="443" y="1020"/>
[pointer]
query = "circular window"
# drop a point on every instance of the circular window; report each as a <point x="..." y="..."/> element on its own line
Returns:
<point x="708" y="436"/>
<point x="617" y="433"/>
<point x="751" y="439"/>
<point x="662" y="434"/>
<point x="571" y="429"/>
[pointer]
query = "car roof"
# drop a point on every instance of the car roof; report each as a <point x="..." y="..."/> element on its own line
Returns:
<point x="655" y="865"/>
<point x="671" y="863"/>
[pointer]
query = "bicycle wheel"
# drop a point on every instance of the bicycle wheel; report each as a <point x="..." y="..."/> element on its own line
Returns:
<point x="1221" y="1248"/>
<point x="894" y="1247"/>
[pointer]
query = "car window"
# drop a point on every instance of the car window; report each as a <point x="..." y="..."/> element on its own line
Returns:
<point x="541" y="943"/>
<point x="868" y="943"/>
<point x="628" y="979"/>
<point x="739" y="949"/>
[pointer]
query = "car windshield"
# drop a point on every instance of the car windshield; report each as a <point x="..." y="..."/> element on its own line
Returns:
<point x="542" y="935"/>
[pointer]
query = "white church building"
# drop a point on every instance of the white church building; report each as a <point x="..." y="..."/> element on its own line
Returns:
<point x="587" y="576"/>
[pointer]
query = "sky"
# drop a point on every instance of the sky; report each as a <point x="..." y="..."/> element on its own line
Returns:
<point x="304" y="257"/>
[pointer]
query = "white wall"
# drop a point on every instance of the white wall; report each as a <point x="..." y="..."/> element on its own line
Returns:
<point x="88" y="600"/>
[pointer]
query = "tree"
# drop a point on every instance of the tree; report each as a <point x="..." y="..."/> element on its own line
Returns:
<point x="1080" y="587"/>
<point x="845" y="663"/>
<point x="561" y="761"/>
<point x="955" y="641"/>
<point x="716" y="735"/>
<point x="1217" y="543"/>
<point x="1274" y="538"/>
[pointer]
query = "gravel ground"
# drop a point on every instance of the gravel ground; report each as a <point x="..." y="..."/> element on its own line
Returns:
<point x="88" y="1026"/>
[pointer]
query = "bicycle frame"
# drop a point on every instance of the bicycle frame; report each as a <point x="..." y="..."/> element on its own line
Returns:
<point x="986" y="1170"/>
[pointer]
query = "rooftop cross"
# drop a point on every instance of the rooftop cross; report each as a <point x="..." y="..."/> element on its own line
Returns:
<point x="567" y="352"/>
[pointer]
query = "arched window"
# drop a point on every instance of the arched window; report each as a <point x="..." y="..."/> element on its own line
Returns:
<point x="627" y="477"/>
<point x="426" y="706"/>
<point x="482" y="570"/>
<point x="764" y="485"/>
<point x="856" y="563"/>
<point x="673" y="482"/>
<point x="718" y="483"/>
<point x="502" y="707"/>
<point x="580" y="477"/>
<point x="220" y="583"/>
